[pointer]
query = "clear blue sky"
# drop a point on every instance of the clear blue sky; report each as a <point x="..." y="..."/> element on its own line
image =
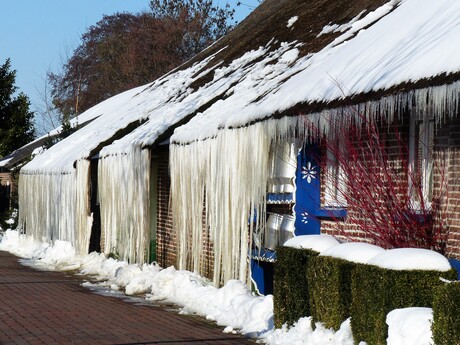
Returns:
<point x="38" y="35"/>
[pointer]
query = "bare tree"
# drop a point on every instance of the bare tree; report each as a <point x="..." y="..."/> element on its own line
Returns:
<point x="126" y="50"/>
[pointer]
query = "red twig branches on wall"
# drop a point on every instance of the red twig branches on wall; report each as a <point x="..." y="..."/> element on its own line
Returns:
<point x="393" y="185"/>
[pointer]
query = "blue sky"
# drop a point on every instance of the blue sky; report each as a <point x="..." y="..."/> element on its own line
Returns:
<point x="38" y="35"/>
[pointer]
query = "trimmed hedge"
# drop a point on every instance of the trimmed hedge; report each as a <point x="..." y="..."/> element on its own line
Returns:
<point x="291" y="290"/>
<point x="446" y="314"/>
<point x="377" y="291"/>
<point x="329" y="281"/>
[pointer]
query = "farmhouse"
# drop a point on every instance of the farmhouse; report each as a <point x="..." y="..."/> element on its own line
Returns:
<point x="354" y="136"/>
<point x="309" y="117"/>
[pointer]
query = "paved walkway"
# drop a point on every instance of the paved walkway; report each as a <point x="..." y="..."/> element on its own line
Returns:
<point x="53" y="308"/>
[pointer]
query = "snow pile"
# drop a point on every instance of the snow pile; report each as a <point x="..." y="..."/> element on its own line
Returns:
<point x="411" y="259"/>
<point x="319" y="243"/>
<point x="331" y="28"/>
<point x="232" y="306"/>
<point x="21" y="245"/>
<point x="354" y="252"/>
<point x="410" y="326"/>
<point x="60" y="256"/>
<point x="38" y="151"/>
<point x="301" y="333"/>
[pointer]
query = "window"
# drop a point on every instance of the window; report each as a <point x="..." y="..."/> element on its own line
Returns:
<point x="334" y="191"/>
<point x="421" y="161"/>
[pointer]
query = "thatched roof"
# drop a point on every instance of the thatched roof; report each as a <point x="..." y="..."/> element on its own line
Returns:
<point x="344" y="59"/>
<point x="260" y="40"/>
<point x="287" y="57"/>
<point x="269" y="22"/>
<point x="21" y="155"/>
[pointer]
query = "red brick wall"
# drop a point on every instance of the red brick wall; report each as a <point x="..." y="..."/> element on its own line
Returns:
<point x="4" y="178"/>
<point x="446" y="154"/>
<point x="208" y="251"/>
<point x="166" y="250"/>
<point x="167" y="246"/>
<point x="392" y="136"/>
<point x="447" y="158"/>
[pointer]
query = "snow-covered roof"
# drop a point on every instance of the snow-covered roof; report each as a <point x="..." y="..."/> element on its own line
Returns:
<point x="254" y="50"/>
<point x="61" y="157"/>
<point x="114" y="116"/>
<point x="272" y="63"/>
<point x="395" y="47"/>
<point x="18" y="156"/>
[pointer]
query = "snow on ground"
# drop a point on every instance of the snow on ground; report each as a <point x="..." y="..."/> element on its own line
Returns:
<point x="232" y="306"/>
<point x="302" y="333"/>
<point x="410" y="326"/>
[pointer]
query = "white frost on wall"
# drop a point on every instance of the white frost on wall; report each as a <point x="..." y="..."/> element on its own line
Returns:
<point x="46" y="206"/>
<point x="123" y="167"/>
<point x="54" y="190"/>
<point x="124" y="195"/>
<point x="56" y="206"/>
<point x="212" y="172"/>
<point x="226" y="178"/>
<point x="84" y="218"/>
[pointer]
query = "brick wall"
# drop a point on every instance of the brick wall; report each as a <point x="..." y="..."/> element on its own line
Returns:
<point x="447" y="161"/>
<point x="393" y="137"/>
<point x="166" y="250"/>
<point x="8" y="190"/>
<point x="446" y="153"/>
<point x="208" y="251"/>
<point x="4" y="178"/>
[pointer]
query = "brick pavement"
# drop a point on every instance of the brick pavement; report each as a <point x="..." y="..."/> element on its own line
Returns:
<point x="39" y="307"/>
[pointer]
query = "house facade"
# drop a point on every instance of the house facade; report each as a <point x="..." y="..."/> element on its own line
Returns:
<point x="307" y="118"/>
<point x="379" y="86"/>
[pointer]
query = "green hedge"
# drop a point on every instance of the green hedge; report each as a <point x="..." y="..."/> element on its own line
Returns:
<point x="377" y="291"/>
<point x="291" y="290"/>
<point x="446" y="314"/>
<point x="329" y="281"/>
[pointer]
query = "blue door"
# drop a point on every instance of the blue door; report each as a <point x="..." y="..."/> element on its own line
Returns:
<point x="308" y="201"/>
<point x="307" y="209"/>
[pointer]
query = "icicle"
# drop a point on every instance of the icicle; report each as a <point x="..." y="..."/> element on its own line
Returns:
<point x="47" y="205"/>
<point x="124" y="194"/>
<point x="229" y="174"/>
<point x="84" y="219"/>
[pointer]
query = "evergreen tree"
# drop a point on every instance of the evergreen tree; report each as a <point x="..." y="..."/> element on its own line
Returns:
<point x="16" y="120"/>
